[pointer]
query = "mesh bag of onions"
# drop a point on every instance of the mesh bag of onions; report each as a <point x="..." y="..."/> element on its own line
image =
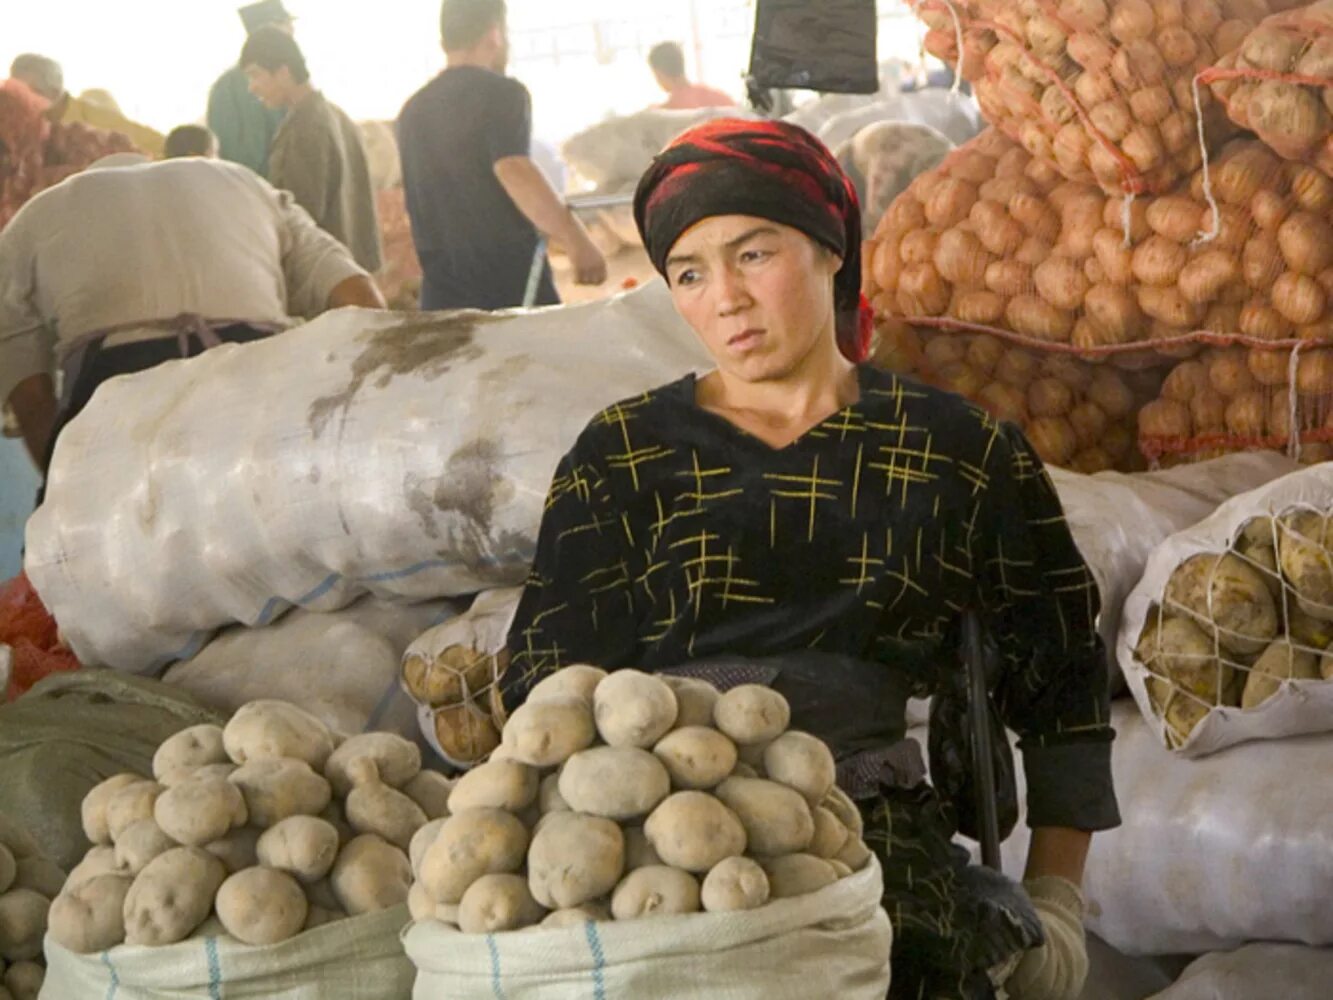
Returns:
<point x="1227" y="636"/>
<point x="1104" y="89"/>
<point x="996" y="241"/>
<point x="1242" y="399"/>
<point x="1279" y="84"/>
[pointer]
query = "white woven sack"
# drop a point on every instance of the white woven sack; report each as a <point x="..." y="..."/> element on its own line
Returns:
<point x="1257" y="972"/>
<point x="1299" y="706"/>
<point x="1117" y="519"/>
<point x="405" y="455"/>
<point x="359" y="958"/>
<point x="832" y="943"/>
<point x="342" y="666"/>
<point x="1212" y="853"/>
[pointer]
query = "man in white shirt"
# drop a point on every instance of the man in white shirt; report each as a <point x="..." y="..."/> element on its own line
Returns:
<point x="131" y="263"/>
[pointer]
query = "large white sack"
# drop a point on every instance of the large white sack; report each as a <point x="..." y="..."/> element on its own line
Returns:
<point x="359" y="958"/>
<point x="831" y="943"/>
<point x="1299" y="706"/>
<point x="1213" y="852"/>
<point x="406" y="456"/>
<point x="342" y="666"/>
<point x="1118" y="519"/>
<point x="1257" y="972"/>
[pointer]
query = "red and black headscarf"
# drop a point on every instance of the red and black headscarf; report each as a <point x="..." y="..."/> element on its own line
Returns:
<point x="771" y="170"/>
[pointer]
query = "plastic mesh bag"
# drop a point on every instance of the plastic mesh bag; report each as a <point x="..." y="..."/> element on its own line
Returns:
<point x="31" y="633"/>
<point x="1279" y="84"/>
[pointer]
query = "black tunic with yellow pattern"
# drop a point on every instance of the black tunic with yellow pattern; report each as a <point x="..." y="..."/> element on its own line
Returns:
<point x="671" y="535"/>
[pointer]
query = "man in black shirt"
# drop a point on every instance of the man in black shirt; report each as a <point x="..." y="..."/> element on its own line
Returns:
<point x="475" y="198"/>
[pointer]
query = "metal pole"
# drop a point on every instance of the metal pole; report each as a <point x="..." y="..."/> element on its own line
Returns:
<point x="983" y="764"/>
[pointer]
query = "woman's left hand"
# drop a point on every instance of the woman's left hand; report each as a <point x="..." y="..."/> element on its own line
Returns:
<point x="1057" y="969"/>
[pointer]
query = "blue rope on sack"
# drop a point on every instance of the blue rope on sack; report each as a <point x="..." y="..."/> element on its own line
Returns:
<point x="598" y="961"/>
<point x="214" y="968"/>
<point x="114" y="985"/>
<point x="496" y="987"/>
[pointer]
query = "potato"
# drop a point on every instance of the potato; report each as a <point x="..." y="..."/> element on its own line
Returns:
<point x="99" y="860"/>
<point x="841" y="869"/>
<point x="129" y="805"/>
<point x="802" y="762"/>
<point x="1109" y="392"/>
<point x="1299" y="298"/>
<point x="94" y="805"/>
<point x="854" y="854"/>
<point x="333" y="813"/>
<point x="694" y="831"/>
<point x="8" y="868"/>
<point x="302" y="846"/>
<point x="1227" y="593"/>
<point x="1049" y="397"/>
<point x="397" y="761"/>
<point x="798" y="875"/>
<point x="419" y="904"/>
<point x="656" y="890"/>
<point x="735" y="883"/>
<point x="1207" y="275"/>
<point x="548" y="795"/>
<point x="139" y="844"/>
<point x="261" y="906"/>
<point x="1306" y="242"/>
<point x="270" y="729"/>
<point x="238" y="849"/>
<point x="576" y="680"/>
<point x="1158" y="261"/>
<point x="776" y="818"/>
<point x="1306" y="630"/>
<point x="90" y="917"/>
<point x="695" y="700"/>
<point x="457" y="671"/>
<point x="840" y="804"/>
<point x="1280" y="661"/>
<point x="374" y="807"/>
<point x="546" y="733"/>
<point x="1305" y="551"/>
<point x="189" y="749"/>
<point x="633" y="709"/>
<point x="369" y="875"/>
<point x="496" y="903"/>
<point x="615" y="782"/>
<point x="1178" y="650"/>
<point x="430" y="790"/>
<point x="318" y="916"/>
<point x="830" y="835"/>
<point x="752" y="713"/>
<point x="469" y="845"/>
<point x="639" y="853"/>
<point x="465" y="732"/>
<point x="197" y="812"/>
<point x="24" y="980"/>
<point x="23" y="914"/>
<point x="574" y="859"/>
<point x="19" y="842"/>
<point x="696" y="756"/>
<point x="576" y="916"/>
<point x="275" y="788"/>
<point x="421" y="841"/>
<point x="497" y="784"/>
<point x="1033" y="316"/>
<point x="172" y="896"/>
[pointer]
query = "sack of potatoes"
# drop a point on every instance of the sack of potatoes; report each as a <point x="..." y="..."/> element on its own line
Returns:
<point x="1102" y="89"/>
<point x="629" y="795"/>
<point x="995" y="239"/>
<point x="1229" y="635"/>
<point x="1240" y="399"/>
<point x="28" y="883"/>
<point x="268" y="824"/>
<point x="1279" y="84"/>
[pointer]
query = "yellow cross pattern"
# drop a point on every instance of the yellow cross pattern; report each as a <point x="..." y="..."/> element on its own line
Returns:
<point x="814" y="492"/>
<point x="699" y="495"/>
<point x="863" y="563"/>
<point x="698" y="570"/>
<point x="631" y="458"/>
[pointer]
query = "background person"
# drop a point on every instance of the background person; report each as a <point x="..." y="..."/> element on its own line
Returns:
<point x="475" y="198"/>
<point x="317" y="152"/>
<point x="191" y="140"/>
<point x="243" y="125"/>
<point x="667" y="61"/>
<point x="45" y="76"/>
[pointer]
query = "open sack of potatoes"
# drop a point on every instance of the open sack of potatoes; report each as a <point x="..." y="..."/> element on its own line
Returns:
<point x="646" y="833"/>
<point x="1229" y="635"/>
<point x="266" y="842"/>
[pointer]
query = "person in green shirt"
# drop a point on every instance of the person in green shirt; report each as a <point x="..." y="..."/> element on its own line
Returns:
<point x="243" y="125"/>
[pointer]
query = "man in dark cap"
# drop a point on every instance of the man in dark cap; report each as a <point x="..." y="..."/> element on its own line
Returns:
<point x="243" y="125"/>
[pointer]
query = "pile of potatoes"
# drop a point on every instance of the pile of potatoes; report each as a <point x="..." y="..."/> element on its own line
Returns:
<point x="28" y="883"/>
<point x="1234" y="399"/>
<point x="994" y="238"/>
<point x="270" y="824"/>
<point x="626" y="795"/>
<point x="1279" y="84"/>
<point x="1102" y="89"/>
<point x="1231" y="627"/>
<point x="1077" y="415"/>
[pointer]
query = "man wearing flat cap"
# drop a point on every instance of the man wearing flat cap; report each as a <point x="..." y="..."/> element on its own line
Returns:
<point x="243" y="125"/>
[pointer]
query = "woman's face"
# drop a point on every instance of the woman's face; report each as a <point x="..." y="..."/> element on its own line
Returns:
<point x="759" y="294"/>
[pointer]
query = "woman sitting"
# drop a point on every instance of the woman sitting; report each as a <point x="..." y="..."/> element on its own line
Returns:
<point x="812" y="521"/>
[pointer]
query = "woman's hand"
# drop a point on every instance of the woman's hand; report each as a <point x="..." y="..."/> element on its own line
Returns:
<point x="1057" y="969"/>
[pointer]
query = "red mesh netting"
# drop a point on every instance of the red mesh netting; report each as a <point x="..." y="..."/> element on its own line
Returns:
<point x="28" y="628"/>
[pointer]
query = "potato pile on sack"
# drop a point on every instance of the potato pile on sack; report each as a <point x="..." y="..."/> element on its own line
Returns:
<point x="28" y="883"/>
<point x="266" y="840"/>
<point x="253" y="511"/>
<point x="1279" y="83"/>
<point x="1104" y="89"/>
<point x="694" y="831"/>
<point x="1239" y="398"/>
<point x="1227" y="637"/>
